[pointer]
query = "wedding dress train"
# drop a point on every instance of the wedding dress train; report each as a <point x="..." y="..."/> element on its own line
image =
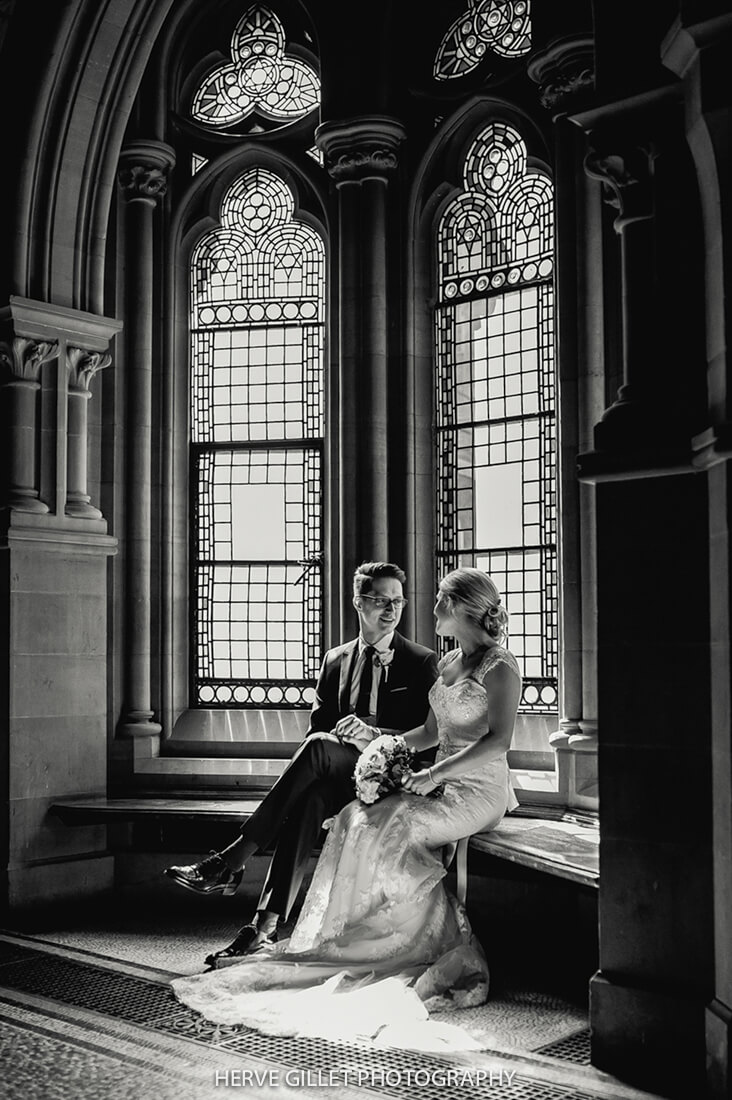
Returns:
<point x="379" y="940"/>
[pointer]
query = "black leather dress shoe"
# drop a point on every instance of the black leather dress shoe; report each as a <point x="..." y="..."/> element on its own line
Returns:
<point x="210" y="876"/>
<point x="249" y="940"/>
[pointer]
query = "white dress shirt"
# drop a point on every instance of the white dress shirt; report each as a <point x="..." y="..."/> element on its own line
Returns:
<point x="382" y="646"/>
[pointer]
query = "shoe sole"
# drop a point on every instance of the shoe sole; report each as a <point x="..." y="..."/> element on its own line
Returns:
<point x="225" y="890"/>
<point x="222" y="961"/>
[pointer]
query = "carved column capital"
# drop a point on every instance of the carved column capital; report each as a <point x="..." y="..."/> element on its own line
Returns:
<point x="361" y="148"/>
<point x="143" y="171"/>
<point x="627" y="180"/>
<point x="565" y="73"/>
<point x="25" y="356"/>
<point x="83" y="365"/>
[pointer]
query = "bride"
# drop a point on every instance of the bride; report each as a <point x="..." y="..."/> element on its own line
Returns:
<point x="379" y="940"/>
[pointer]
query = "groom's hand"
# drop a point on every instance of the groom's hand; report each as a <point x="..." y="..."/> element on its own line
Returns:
<point x="354" y="731"/>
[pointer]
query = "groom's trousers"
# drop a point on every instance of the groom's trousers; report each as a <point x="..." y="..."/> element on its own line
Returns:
<point x="317" y="783"/>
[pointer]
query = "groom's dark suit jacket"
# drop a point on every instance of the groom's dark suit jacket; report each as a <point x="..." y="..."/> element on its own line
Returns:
<point x="318" y="781"/>
<point x="402" y="700"/>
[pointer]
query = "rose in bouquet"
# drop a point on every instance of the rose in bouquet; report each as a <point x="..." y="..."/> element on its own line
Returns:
<point x="381" y="766"/>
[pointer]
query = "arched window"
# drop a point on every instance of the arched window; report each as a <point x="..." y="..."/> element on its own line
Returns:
<point x="495" y="395"/>
<point x="257" y="313"/>
<point x="257" y="318"/>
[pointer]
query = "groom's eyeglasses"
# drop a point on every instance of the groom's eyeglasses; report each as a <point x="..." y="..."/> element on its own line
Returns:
<point x="383" y="601"/>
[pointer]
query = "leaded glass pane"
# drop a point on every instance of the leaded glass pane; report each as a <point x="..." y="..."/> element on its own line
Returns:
<point x="257" y="321"/>
<point x="316" y="154"/>
<point x="495" y="402"/>
<point x="257" y="383"/>
<point x="258" y="517"/>
<point x="261" y="76"/>
<point x="501" y="27"/>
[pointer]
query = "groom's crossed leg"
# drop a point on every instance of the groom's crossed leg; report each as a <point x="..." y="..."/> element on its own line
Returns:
<point x="298" y="837"/>
<point x="317" y="782"/>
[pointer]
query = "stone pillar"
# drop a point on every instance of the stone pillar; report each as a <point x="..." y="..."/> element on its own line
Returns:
<point x="699" y="54"/>
<point x="82" y="366"/>
<point x="143" y="180"/>
<point x="54" y="588"/>
<point x="23" y="358"/>
<point x="361" y="157"/>
<point x="564" y="72"/>
<point x="655" y="903"/>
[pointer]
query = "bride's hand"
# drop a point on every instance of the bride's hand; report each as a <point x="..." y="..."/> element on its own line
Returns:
<point x="419" y="782"/>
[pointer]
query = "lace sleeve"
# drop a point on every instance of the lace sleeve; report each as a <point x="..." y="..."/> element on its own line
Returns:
<point x="496" y="656"/>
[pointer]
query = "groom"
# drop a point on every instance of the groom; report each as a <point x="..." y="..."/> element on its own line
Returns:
<point x="377" y="683"/>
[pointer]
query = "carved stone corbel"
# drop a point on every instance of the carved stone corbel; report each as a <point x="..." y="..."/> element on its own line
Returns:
<point x="565" y="73"/>
<point x="627" y="181"/>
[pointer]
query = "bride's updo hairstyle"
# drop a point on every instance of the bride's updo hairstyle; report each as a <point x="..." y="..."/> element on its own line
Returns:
<point x="478" y="596"/>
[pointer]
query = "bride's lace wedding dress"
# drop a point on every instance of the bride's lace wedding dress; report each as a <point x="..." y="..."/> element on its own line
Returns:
<point x="379" y="939"/>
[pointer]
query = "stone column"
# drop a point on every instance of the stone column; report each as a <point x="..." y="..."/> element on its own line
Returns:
<point x="24" y="357"/>
<point x="143" y="180"/>
<point x="656" y="954"/>
<point x="699" y="54"/>
<point x="82" y="366"/>
<point x="361" y="157"/>
<point x="564" y="72"/>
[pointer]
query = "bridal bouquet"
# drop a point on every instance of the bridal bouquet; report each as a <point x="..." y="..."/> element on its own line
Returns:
<point x="381" y="766"/>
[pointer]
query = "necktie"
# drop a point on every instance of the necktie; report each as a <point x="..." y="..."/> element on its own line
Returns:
<point x="363" y="702"/>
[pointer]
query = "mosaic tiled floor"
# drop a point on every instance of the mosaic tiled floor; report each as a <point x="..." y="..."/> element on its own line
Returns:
<point x="75" y="1027"/>
<point x="87" y="1013"/>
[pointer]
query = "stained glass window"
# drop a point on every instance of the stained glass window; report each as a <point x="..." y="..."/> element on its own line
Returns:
<point x="495" y="399"/>
<point x="257" y="324"/>
<point x="261" y="77"/>
<point x="501" y="27"/>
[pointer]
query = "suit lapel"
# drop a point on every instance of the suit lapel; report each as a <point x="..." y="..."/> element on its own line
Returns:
<point x="348" y="657"/>
<point x="396" y="672"/>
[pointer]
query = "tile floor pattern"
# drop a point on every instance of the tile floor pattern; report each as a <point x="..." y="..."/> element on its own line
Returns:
<point x="97" y="1032"/>
<point x="87" y="1014"/>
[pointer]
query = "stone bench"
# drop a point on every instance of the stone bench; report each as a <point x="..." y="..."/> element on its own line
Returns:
<point x="565" y="846"/>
